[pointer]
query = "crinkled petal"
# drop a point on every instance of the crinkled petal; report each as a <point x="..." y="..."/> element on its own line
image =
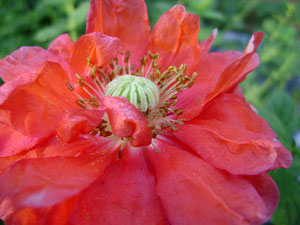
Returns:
<point x="13" y="142"/>
<point x="45" y="182"/>
<point x="206" y="44"/>
<point x="6" y="162"/>
<point x="126" y="20"/>
<point x="127" y="121"/>
<point x="230" y="136"/>
<point x="56" y="215"/>
<point x="235" y="72"/>
<point x="62" y="47"/>
<point x="77" y="121"/>
<point x="124" y="195"/>
<point x="209" y="69"/>
<point x="194" y="192"/>
<point x="83" y="146"/>
<point x="217" y="73"/>
<point x="6" y="209"/>
<point x="96" y="46"/>
<point x="175" y="38"/>
<point x="26" y="60"/>
<point x="35" y="104"/>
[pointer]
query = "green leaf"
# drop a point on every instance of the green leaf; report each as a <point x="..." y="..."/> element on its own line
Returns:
<point x="288" y="210"/>
<point x="281" y="113"/>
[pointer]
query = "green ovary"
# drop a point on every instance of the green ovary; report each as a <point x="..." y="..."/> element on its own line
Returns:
<point x="139" y="91"/>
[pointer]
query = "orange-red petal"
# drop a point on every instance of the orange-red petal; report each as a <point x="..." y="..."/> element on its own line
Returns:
<point x="6" y="209"/>
<point x="78" y="121"/>
<point x="230" y="136"/>
<point x="96" y="46"/>
<point x="62" y="47"/>
<point x="45" y="182"/>
<point x="124" y="195"/>
<point x="35" y="103"/>
<point x="175" y="38"/>
<point x="13" y="142"/>
<point x="235" y="73"/>
<point x="127" y="121"/>
<point x="25" y="60"/>
<point x="217" y="73"/>
<point x="194" y="192"/>
<point x="126" y="20"/>
<point x="56" y="215"/>
<point x="206" y="44"/>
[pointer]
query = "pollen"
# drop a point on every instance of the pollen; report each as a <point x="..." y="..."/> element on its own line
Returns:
<point x="139" y="91"/>
<point x="151" y="90"/>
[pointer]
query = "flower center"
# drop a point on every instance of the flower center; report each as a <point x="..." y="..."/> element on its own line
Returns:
<point x="152" y="91"/>
<point x="139" y="91"/>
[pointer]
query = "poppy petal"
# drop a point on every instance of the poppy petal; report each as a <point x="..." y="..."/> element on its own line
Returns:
<point x="194" y="192"/>
<point x="77" y="121"/>
<point x="124" y="195"/>
<point x="127" y="121"/>
<point x="217" y="73"/>
<point x="126" y="19"/>
<point x="206" y="44"/>
<point x="47" y="181"/>
<point x="13" y="142"/>
<point x="234" y="74"/>
<point x="209" y="69"/>
<point x="175" y="38"/>
<point x="96" y="46"/>
<point x="34" y="104"/>
<point x="62" y="47"/>
<point x="56" y="215"/>
<point x="6" y="209"/>
<point x="26" y="60"/>
<point x="230" y="136"/>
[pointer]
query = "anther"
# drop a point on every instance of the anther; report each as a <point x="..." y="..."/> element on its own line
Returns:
<point x="88" y="61"/>
<point x="81" y="103"/>
<point x="70" y="86"/>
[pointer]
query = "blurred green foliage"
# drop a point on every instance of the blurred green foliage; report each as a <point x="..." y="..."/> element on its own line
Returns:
<point x="273" y="88"/>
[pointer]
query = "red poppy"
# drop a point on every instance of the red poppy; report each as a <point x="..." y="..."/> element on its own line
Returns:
<point x="180" y="147"/>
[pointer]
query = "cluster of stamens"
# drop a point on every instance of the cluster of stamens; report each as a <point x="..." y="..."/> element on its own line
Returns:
<point x="102" y="129"/>
<point x="169" y="83"/>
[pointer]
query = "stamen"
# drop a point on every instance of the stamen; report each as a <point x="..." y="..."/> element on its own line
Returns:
<point x="151" y="90"/>
<point x="70" y="86"/>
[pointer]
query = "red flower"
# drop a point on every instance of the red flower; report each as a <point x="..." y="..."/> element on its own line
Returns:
<point x="188" y="149"/>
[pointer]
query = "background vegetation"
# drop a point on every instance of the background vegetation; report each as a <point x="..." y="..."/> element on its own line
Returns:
<point x="273" y="88"/>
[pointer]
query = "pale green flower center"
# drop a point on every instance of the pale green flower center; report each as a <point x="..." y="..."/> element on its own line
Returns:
<point x="139" y="91"/>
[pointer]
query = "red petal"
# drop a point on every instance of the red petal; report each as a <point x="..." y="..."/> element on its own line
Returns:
<point x="127" y="121"/>
<point x="124" y="195"/>
<point x="6" y="209"/>
<point x="175" y="38"/>
<point x="62" y="46"/>
<point x="235" y="73"/>
<point x="35" y="104"/>
<point x="48" y="181"/>
<point x="127" y="20"/>
<point x="206" y="44"/>
<point x="56" y="215"/>
<point x="6" y="162"/>
<point x="26" y="60"/>
<point x="192" y="100"/>
<point x="96" y="46"/>
<point x="217" y="73"/>
<point x="78" y="121"/>
<point x="193" y="192"/>
<point x="267" y="189"/>
<point x="13" y="142"/>
<point x="230" y="136"/>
